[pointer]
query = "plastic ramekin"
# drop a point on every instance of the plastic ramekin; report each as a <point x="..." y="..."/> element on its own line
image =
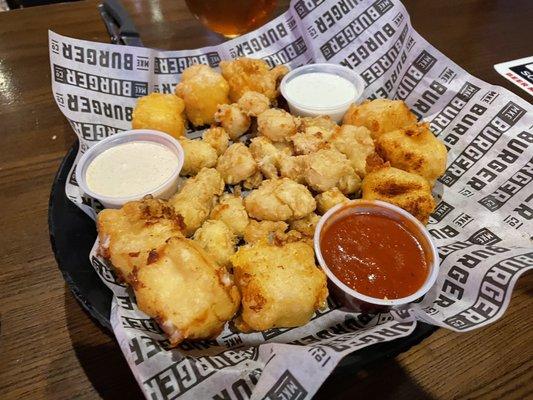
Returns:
<point x="163" y="191"/>
<point x="354" y="300"/>
<point x="337" y="111"/>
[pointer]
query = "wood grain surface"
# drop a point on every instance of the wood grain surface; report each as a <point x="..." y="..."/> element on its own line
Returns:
<point x="50" y="348"/>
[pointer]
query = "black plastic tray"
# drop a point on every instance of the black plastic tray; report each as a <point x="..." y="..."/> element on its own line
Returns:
<point x="73" y="233"/>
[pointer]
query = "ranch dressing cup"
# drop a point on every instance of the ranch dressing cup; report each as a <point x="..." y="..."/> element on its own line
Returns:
<point x="130" y="165"/>
<point x="321" y="89"/>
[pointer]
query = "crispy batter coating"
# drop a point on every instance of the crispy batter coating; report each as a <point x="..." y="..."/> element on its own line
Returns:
<point x="279" y="200"/>
<point x="329" y="168"/>
<point x="247" y="74"/>
<point x="309" y="141"/>
<point x="380" y="115"/>
<point x="217" y="138"/>
<point x="324" y="122"/>
<point x="280" y="285"/>
<point x="277" y="125"/>
<point x="253" y="103"/>
<point x="127" y="235"/>
<point x="254" y="181"/>
<point x="414" y="149"/>
<point x="189" y="294"/>
<point x="198" y="154"/>
<point x="266" y="155"/>
<point x="197" y="197"/>
<point x="231" y="211"/>
<point x="293" y="167"/>
<point x="306" y="225"/>
<point x="236" y="164"/>
<point x="328" y="199"/>
<point x="264" y="230"/>
<point x="217" y="239"/>
<point x="404" y="189"/>
<point x="161" y="112"/>
<point x="356" y="144"/>
<point x="202" y="89"/>
<point x="234" y="120"/>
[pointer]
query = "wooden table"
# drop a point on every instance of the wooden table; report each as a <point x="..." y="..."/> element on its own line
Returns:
<point x="50" y="348"/>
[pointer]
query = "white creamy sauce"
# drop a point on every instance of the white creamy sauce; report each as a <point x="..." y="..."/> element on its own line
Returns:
<point x="130" y="169"/>
<point x="320" y="89"/>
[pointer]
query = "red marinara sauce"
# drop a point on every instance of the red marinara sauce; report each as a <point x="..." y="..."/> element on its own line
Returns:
<point x="374" y="254"/>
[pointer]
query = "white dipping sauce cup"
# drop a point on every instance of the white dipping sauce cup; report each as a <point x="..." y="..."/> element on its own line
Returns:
<point x="336" y="111"/>
<point x="355" y="301"/>
<point x="163" y="191"/>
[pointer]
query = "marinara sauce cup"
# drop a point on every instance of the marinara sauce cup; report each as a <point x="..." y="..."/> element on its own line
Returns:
<point x="350" y="298"/>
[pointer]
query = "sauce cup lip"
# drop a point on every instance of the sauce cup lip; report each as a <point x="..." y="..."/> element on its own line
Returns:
<point x="355" y="79"/>
<point x="129" y="136"/>
<point x="434" y="267"/>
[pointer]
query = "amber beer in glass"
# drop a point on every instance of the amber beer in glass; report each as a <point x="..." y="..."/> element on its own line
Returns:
<point x="232" y="18"/>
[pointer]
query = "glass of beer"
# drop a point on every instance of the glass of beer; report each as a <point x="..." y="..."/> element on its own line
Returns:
<point x="232" y="18"/>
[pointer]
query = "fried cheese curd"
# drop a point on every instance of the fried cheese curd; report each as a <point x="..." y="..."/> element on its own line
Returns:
<point x="403" y="189"/>
<point x="188" y="294"/>
<point x="329" y="199"/>
<point x="253" y="103"/>
<point x="236" y="164"/>
<point x="202" y="89"/>
<point x="161" y="112"/>
<point x="356" y="143"/>
<point x="195" y="200"/>
<point x="234" y="120"/>
<point x="127" y="235"/>
<point x="198" y="154"/>
<point x="248" y="74"/>
<point x="217" y="239"/>
<point x="414" y="149"/>
<point x="217" y="138"/>
<point x="279" y="200"/>
<point x="306" y="225"/>
<point x="280" y="285"/>
<point x="230" y="210"/>
<point x="380" y="116"/>
<point x="276" y="124"/>
<point x="264" y="230"/>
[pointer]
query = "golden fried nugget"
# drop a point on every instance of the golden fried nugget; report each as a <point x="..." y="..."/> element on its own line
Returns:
<point x="329" y="168"/>
<point x="414" y="149"/>
<point x="277" y="125"/>
<point x="234" y="120"/>
<point x="202" y="89"/>
<point x="230" y="210"/>
<point x="253" y="103"/>
<point x="247" y="74"/>
<point x="266" y="155"/>
<point x="128" y="235"/>
<point x="324" y="122"/>
<point x="256" y="231"/>
<point x="198" y="154"/>
<point x="356" y="144"/>
<point x="279" y="200"/>
<point x="404" y="189"/>
<point x="293" y="167"/>
<point x="217" y="239"/>
<point x="236" y="164"/>
<point x="281" y="286"/>
<point x="380" y="115"/>
<point x="197" y="197"/>
<point x="161" y="112"/>
<point x="254" y="181"/>
<point x="309" y="141"/>
<point x="328" y="199"/>
<point x="306" y="225"/>
<point x="217" y="138"/>
<point x="190" y="295"/>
